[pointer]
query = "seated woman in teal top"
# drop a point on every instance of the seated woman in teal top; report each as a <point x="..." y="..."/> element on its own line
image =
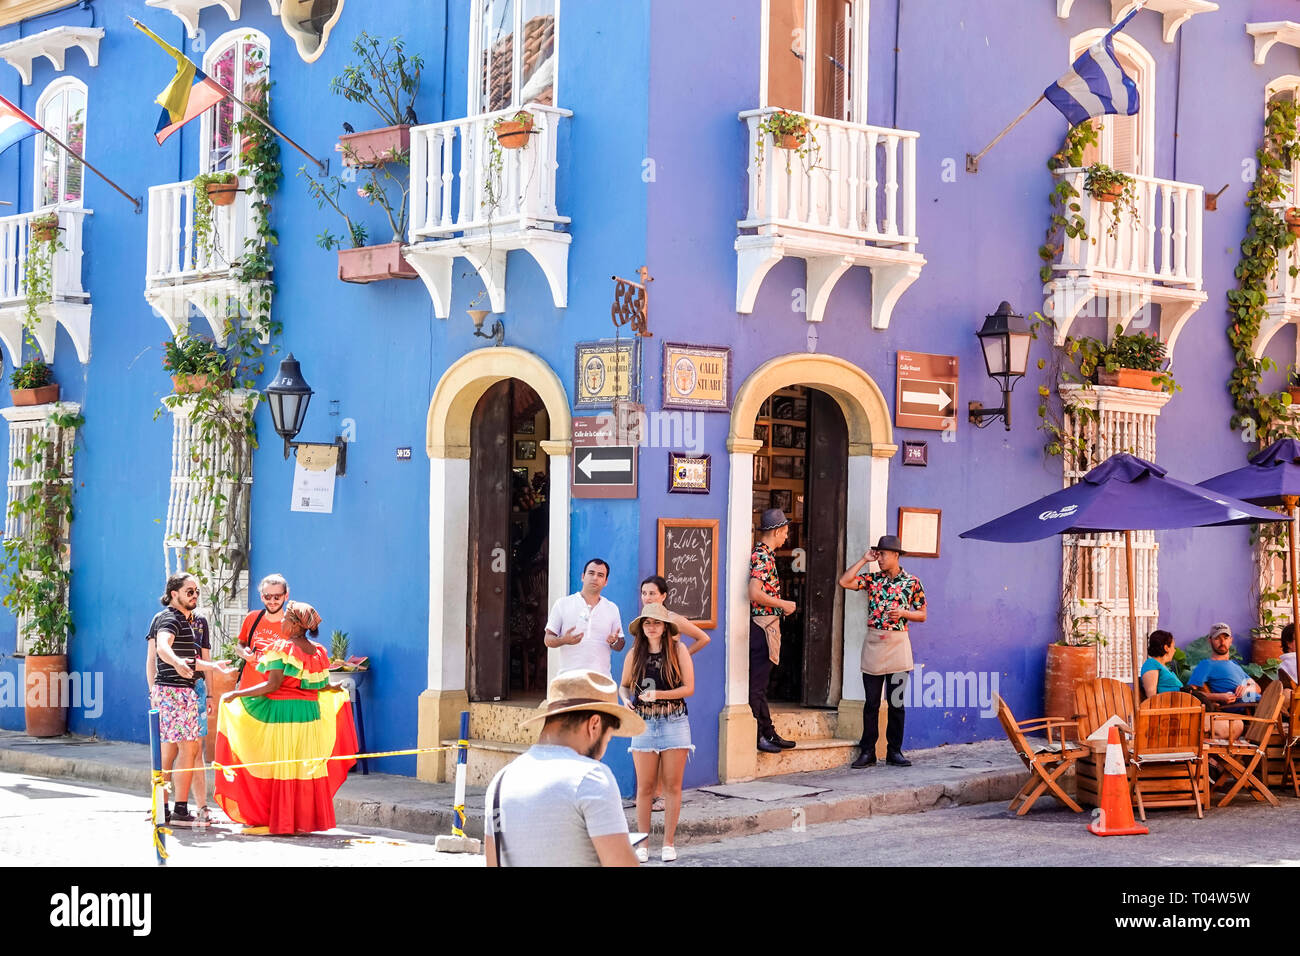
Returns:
<point x="1156" y="676"/>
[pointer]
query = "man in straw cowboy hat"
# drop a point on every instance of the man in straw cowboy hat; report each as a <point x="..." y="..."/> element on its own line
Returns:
<point x="765" y="610"/>
<point x="557" y="804"/>
<point x="894" y="598"/>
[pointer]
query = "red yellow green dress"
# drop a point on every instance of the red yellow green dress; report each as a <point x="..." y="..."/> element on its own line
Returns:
<point x="295" y="722"/>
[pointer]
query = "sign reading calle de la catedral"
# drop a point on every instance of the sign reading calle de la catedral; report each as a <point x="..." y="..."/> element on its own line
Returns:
<point x="605" y="372"/>
<point x="601" y="467"/>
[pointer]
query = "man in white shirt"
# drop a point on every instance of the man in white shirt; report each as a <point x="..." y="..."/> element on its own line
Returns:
<point x="585" y="626"/>
<point x="557" y="804"/>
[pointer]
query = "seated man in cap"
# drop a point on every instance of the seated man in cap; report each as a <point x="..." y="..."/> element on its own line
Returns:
<point x="1222" y="680"/>
<point x="894" y="598"/>
<point x="557" y="804"/>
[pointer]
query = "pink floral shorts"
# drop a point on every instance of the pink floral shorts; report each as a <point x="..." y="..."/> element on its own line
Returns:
<point x="178" y="713"/>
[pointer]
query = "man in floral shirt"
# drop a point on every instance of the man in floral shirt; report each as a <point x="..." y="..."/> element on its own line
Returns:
<point x="765" y="611"/>
<point x="894" y="598"/>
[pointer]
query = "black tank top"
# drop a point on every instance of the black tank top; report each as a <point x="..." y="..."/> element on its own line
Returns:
<point x="654" y="677"/>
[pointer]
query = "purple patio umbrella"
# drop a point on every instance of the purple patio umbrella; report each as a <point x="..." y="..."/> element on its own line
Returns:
<point x="1271" y="478"/>
<point x="1123" y="493"/>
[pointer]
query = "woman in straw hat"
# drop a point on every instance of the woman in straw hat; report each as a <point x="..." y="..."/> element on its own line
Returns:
<point x="657" y="678"/>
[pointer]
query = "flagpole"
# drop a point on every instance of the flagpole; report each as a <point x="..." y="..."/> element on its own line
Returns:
<point x="139" y="206"/>
<point x="973" y="162"/>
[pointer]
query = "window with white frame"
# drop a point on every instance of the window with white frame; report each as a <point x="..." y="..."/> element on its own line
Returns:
<point x="1125" y="143"/>
<point x="239" y="61"/>
<point x="61" y="109"/>
<point x="814" y="57"/>
<point x="26" y="468"/>
<point x="516" y="44"/>
<point x="1285" y="88"/>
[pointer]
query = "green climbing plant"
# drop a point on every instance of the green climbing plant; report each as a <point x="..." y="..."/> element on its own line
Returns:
<point x="1066" y="220"/>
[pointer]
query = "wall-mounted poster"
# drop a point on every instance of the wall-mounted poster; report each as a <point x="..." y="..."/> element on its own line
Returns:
<point x="688" y="474"/>
<point x="605" y="372"/>
<point x="918" y="528"/>
<point x="697" y="377"/>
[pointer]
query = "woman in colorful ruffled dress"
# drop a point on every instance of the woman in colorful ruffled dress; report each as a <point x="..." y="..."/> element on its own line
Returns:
<point x="294" y="714"/>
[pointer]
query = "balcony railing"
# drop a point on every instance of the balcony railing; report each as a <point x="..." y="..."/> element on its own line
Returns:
<point x="1163" y="245"/>
<point x="15" y="242"/>
<point x="1283" y="287"/>
<point x="858" y="182"/>
<point x="461" y="184"/>
<point x="174" y="255"/>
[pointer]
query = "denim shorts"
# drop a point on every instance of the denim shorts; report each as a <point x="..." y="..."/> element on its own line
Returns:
<point x="201" y="692"/>
<point x="663" y="733"/>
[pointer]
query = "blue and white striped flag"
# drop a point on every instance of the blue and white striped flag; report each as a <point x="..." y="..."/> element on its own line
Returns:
<point x="1096" y="84"/>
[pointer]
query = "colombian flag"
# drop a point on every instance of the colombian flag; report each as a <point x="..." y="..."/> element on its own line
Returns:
<point x="189" y="95"/>
<point x="15" y="125"/>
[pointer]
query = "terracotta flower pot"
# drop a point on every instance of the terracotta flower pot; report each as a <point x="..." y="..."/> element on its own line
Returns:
<point x="1293" y="220"/>
<point x="1295" y="394"/>
<point x="222" y="194"/>
<point x="188" y="384"/>
<point x="1262" y="648"/>
<point x="1066" y="666"/>
<point x="47" y="709"/>
<point x="794" y="140"/>
<point x="1128" y="378"/>
<point x="1108" y="193"/>
<point x="35" y="396"/>
<point x="513" y="134"/>
<point x="374" y="264"/>
<point x="375" y="147"/>
<point x="45" y="230"/>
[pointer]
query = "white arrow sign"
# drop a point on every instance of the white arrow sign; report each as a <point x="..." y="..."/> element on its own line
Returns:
<point x="939" y="399"/>
<point x="591" y="464"/>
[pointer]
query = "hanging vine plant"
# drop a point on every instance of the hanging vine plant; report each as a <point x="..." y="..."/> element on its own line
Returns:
<point x="1067" y="220"/>
<point x="1262" y="416"/>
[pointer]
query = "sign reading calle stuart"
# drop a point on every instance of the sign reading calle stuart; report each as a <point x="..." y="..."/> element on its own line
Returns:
<point x="602" y="468"/>
<point x="927" y="391"/>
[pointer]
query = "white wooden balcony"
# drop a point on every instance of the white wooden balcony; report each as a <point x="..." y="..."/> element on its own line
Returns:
<point x="1153" y="260"/>
<point x="69" y="305"/>
<point x="850" y="202"/>
<point x="1283" y="306"/>
<point x="181" y="272"/>
<point x="470" y="200"/>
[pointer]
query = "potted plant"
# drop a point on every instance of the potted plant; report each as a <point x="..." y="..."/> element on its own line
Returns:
<point x="1128" y="361"/>
<point x="195" y="363"/>
<point x="513" y="133"/>
<point x="791" y="132"/>
<point x="1292" y="217"/>
<point x="1293" y="384"/>
<point x="38" y="270"/>
<point x="220" y="188"/>
<point x="32" y="383"/>
<point x="37" y="574"/>
<point x="210" y="189"/>
<point x="387" y="80"/>
<point x="1115" y="189"/>
<point x="1071" y="659"/>
<point x="359" y="262"/>
<point x="45" y="228"/>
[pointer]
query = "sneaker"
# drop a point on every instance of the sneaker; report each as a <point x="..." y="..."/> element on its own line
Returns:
<point x="668" y="854"/>
<point x="181" y="818"/>
<point x="642" y="855"/>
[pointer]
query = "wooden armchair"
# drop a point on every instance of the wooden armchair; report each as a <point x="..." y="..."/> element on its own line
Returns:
<point x="1292" y="745"/>
<point x="1046" y="763"/>
<point x="1252" y="746"/>
<point x="1168" y="752"/>
<point x="1096" y="701"/>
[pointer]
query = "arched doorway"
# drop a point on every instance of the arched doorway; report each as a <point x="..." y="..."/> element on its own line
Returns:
<point x="867" y="442"/>
<point x="449" y="443"/>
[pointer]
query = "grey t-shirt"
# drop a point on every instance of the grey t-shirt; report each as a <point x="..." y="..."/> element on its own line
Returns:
<point x="553" y="801"/>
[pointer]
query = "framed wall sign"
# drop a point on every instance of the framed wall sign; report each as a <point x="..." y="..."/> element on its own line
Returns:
<point x="697" y="377"/>
<point x="605" y="372"/>
<point x="919" y="530"/>
<point x="688" y="561"/>
<point x="688" y="474"/>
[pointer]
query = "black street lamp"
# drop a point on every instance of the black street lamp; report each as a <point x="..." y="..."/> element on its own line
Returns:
<point x="1005" y="340"/>
<point x="288" y="397"/>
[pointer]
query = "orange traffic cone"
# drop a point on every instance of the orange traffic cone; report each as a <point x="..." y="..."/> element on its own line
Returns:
<point x="1115" y="818"/>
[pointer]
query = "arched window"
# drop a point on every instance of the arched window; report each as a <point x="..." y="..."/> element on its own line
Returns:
<point x="239" y="61"/>
<point x="1126" y="143"/>
<point x="62" y="110"/>
<point x="814" y="57"/>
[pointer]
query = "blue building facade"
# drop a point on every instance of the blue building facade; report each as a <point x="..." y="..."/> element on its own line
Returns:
<point x="811" y="272"/>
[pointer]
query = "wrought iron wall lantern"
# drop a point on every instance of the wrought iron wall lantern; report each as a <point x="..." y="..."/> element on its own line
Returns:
<point x="288" y="396"/>
<point x="1005" y="340"/>
<point x="497" y="332"/>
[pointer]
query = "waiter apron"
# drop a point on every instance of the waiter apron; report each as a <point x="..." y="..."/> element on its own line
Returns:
<point x="886" y="652"/>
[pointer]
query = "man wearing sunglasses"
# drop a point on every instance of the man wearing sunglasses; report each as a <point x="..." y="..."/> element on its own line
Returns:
<point x="261" y="628"/>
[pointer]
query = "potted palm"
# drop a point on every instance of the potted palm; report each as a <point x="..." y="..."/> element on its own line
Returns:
<point x="386" y="80"/>
<point x="195" y="363"/>
<point x="32" y="383"/>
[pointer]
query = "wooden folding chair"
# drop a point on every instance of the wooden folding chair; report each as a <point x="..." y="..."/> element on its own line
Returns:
<point x="1230" y="755"/>
<point x="1096" y="701"/>
<point x="1169" y="747"/>
<point x="1292" y="745"/>
<point x="1046" y="763"/>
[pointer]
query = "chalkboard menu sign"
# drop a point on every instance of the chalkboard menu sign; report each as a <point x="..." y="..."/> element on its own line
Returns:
<point x="688" y="560"/>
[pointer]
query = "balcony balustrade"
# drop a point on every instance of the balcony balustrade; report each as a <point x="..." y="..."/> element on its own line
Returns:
<point x="69" y="303"/>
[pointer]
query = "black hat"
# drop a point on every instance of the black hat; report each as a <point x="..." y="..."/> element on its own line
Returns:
<point x="889" y="542"/>
<point x="772" y="519"/>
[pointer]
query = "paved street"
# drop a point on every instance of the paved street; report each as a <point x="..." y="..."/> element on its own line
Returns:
<point x="45" y="822"/>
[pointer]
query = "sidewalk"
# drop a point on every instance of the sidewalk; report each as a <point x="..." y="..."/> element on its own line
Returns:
<point x="948" y="776"/>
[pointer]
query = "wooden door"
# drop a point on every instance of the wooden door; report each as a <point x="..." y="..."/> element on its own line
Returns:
<point x="487" y="610"/>
<point x="825" y="503"/>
